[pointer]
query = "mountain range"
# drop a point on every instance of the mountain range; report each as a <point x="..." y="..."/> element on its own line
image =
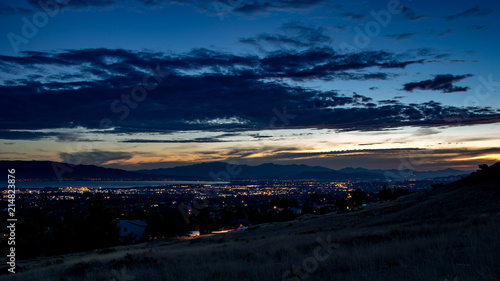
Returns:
<point x="226" y="171"/>
<point x="46" y="170"/>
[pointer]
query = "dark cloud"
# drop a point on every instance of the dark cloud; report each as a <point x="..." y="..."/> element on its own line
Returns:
<point x="401" y="36"/>
<point x="326" y="64"/>
<point x="295" y="34"/>
<point x="388" y="102"/>
<point x="211" y="91"/>
<point x="314" y="63"/>
<point x="247" y="7"/>
<point x="405" y="158"/>
<point x="196" y="140"/>
<point x="238" y="153"/>
<point x="442" y="83"/>
<point x="95" y="157"/>
<point x="426" y="132"/>
<point x="8" y="9"/>
<point x="476" y="27"/>
<point x="24" y="135"/>
<point x="471" y="12"/>
<point x="74" y="137"/>
<point x="217" y="7"/>
<point x="445" y="33"/>
<point x="411" y="15"/>
<point x="354" y="16"/>
<point x="368" y="144"/>
<point x="360" y="98"/>
<point x="79" y="4"/>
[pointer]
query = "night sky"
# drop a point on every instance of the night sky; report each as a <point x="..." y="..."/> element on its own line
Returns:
<point x="161" y="83"/>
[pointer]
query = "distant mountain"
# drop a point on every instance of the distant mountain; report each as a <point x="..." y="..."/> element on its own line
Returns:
<point x="221" y="170"/>
<point x="47" y="170"/>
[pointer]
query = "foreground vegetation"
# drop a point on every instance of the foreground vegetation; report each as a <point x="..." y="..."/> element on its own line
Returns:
<point x="450" y="233"/>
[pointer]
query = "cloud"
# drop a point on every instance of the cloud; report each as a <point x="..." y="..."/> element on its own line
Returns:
<point x="388" y="102"/>
<point x="206" y="90"/>
<point x="326" y="64"/>
<point x="445" y="33"/>
<point x="73" y="137"/>
<point x="248" y="7"/>
<point x="476" y="27"/>
<point x="354" y="16"/>
<point x="443" y="82"/>
<point x="426" y="132"/>
<point x="294" y="34"/>
<point x="196" y="140"/>
<point x="239" y="152"/>
<point x="471" y="12"/>
<point x="411" y="15"/>
<point x="24" y="135"/>
<point x="7" y="9"/>
<point x="214" y="8"/>
<point x="405" y="158"/>
<point x="95" y="157"/>
<point x="80" y="4"/>
<point x="101" y="64"/>
<point x="401" y="36"/>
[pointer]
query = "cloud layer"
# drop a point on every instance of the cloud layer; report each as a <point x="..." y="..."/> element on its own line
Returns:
<point x="443" y="83"/>
<point x="216" y="7"/>
<point x="143" y="91"/>
<point x="471" y="12"/>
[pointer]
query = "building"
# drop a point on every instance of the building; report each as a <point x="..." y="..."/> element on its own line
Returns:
<point x="132" y="229"/>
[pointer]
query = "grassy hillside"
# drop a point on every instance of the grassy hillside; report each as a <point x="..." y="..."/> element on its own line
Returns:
<point x="451" y="233"/>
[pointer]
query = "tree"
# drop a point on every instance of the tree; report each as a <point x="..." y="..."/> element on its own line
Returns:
<point x="102" y="228"/>
<point x="483" y="167"/>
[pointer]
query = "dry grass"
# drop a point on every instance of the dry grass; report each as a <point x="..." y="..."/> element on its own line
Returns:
<point x="424" y="236"/>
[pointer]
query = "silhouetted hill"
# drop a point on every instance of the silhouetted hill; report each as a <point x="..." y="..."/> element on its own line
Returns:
<point x="47" y="170"/>
<point x="361" y="174"/>
<point x="478" y="193"/>
<point x="221" y="170"/>
<point x="484" y="175"/>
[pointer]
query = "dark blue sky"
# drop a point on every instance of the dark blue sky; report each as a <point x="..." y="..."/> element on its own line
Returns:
<point x="155" y="83"/>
